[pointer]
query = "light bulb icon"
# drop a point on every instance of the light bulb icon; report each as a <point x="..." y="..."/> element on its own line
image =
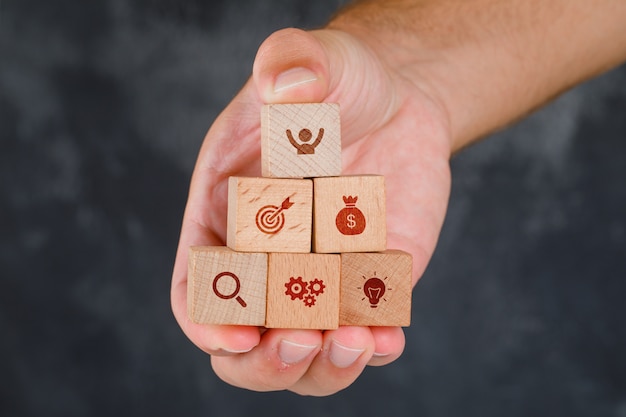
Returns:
<point x="374" y="290"/>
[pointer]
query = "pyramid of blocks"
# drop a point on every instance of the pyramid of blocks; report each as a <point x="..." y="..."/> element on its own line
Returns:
<point x="306" y="247"/>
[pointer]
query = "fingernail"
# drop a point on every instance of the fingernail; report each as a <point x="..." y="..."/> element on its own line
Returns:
<point x="293" y="78"/>
<point x="380" y="355"/>
<point x="291" y="352"/>
<point x="343" y="356"/>
<point x="233" y="351"/>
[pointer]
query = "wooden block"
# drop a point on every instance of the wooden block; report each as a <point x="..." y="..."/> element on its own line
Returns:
<point x="269" y="214"/>
<point x="376" y="289"/>
<point x="300" y="140"/>
<point x="349" y="214"/>
<point x="226" y="287"/>
<point x="303" y="291"/>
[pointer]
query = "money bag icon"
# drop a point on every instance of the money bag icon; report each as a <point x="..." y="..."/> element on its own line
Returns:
<point x="350" y="220"/>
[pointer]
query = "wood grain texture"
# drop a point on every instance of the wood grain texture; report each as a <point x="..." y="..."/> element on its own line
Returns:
<point x="300" y="140"/>
<point x="376" y="289"/>
<point x="269" y="214"/>
<point x="213" y="295"/>
<point x="349" y="214"/>
<point x="303" y="291"/>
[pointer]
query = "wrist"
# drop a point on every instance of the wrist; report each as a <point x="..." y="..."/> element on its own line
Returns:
<point x="488" y="64"/>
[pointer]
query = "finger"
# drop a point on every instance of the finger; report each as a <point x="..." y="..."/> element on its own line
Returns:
<point x="294" y="66"/>
<point x="277" y="363"/>
<point x="345" y="353"/>
<point x="389" y="345"/>
<point x="291" y="66"/>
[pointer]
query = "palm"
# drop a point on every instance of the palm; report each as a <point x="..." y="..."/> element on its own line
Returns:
<point x="405" y="151"/>
<point x="410" y="152"/>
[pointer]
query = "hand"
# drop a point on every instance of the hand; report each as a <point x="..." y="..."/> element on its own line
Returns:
<point x="390" y="126"/>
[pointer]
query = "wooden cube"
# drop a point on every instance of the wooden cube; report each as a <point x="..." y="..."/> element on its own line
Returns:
<point x="269" y="214"/>
<point x="349" y="214"/>
<point x="300" y="140"/>
<point x="376" y="289"/>
<point x="303" y="291"/>
<point x="226" y="287"/>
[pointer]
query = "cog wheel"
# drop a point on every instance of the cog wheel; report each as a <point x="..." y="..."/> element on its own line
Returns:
<point x="296" y="288"/>
<point x="309" y="300"/>
<point x="316" y="287"/>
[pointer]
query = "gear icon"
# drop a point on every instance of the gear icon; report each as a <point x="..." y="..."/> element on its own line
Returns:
<point x="316" y="287"/>
<point x="309" y="300"/>
<point x="296" y="288"/>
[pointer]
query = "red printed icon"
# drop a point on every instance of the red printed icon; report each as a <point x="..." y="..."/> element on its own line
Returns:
<point x="234" y="292"/>
<point x="350" y="220"/>
<point x="271" y="219"/>
<point x="299" y="289"/>
<point x="374" y="290"/>
<point x="305" y="136"/>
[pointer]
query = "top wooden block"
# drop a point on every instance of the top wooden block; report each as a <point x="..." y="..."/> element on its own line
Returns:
<point x="300" y="140"/>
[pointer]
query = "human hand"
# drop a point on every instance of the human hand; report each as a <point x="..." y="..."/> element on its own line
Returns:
<point x="391" y="126"/>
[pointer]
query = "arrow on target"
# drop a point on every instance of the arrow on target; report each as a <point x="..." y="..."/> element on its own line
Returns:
<point x="283" y="206"/>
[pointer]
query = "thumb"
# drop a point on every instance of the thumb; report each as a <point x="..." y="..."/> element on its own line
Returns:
<point x="294" y="66"/>
<point x="291" y="66"/>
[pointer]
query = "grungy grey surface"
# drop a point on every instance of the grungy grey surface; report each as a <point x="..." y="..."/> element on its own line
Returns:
<point x="103" y="106"/>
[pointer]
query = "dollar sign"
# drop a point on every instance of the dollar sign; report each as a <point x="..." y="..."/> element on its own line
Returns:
<point x="351" y="222"/>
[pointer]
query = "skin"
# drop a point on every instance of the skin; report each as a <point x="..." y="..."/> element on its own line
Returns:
<point x="416" y="82"/>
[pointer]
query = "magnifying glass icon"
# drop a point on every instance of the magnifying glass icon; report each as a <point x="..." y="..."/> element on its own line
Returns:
<point x="234" y="293"/>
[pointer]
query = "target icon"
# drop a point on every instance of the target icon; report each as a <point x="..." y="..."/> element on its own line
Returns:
<point x="270" y="219"/>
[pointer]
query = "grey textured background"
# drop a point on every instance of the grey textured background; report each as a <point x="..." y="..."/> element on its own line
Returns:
<point x="103" y="106"/>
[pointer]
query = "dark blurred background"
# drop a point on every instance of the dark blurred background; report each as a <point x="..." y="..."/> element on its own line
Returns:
<point x="103" y="106"/>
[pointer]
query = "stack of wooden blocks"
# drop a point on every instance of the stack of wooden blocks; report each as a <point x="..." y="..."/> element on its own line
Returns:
<point x="306" y="247"/>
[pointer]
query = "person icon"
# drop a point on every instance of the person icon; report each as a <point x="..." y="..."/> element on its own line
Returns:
<point x="305" y="135"/>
